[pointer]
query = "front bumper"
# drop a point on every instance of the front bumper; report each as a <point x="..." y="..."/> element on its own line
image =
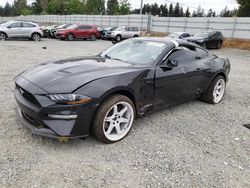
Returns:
<point x="43" y="117"/>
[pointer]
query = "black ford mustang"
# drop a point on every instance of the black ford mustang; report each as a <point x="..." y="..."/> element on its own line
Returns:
<point x="103" y="94"/>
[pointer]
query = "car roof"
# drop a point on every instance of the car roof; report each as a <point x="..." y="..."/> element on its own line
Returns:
<point x="171" y="42"/>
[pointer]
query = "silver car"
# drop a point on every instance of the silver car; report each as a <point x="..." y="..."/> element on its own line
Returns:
<point x="123" y="32"/>
<point x="20" y="29"/>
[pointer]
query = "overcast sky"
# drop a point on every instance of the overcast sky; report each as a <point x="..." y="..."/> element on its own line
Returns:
<point x="216" y="5"/>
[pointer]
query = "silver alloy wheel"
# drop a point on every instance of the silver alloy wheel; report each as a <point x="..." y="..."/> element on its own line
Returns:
<point x="70" y="37"/>
<point x="118" y="121"/>
<point x="118" y="38"/>
<point x="204" y="45"/>
<point x="219" y="90"/>
<point x="2" y="36"/>
<point x="36" y="37"/>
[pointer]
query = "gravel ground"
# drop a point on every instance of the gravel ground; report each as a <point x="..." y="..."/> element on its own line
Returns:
<point x="190" y="145"/>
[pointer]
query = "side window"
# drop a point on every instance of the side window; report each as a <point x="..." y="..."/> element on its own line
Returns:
<point x="82" y="27"/>
<point x="28" y="25"/>
<point x="181" y="56"/>
<point x="15" y="25"/>
<point x="201" y="53"/>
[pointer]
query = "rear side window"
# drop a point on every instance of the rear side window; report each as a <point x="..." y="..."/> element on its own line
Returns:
<point x="85" y="27"/>
<point x="201" y="53"/>
<point x="182" y="56"/>
<point x="28" y="25"/>
<point x="15" y="25"/>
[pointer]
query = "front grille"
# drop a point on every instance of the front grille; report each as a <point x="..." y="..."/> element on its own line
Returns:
<point x="28" y="96"/>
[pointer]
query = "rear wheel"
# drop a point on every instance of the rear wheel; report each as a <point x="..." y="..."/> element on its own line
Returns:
<point x="2" y="36"/>
<point x="70" y="37"/>
<point x="114" y="119"/>
<point x="204" y="45"/>
<point x="93" y="37"/>
<point x="36" y="37"/>
<point x="216" y="91"/>
<point x="219" y="43"/>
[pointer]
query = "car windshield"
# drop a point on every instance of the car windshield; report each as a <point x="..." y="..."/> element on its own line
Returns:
<point x="120" y="28"/>
<point x="67" y="26"/>
<point x="113" y="28"/>
<point x="203" y="34"/>
<point x="174" y="35"/>
<point x="135" y="51"/>
<point x="72" y="26"/>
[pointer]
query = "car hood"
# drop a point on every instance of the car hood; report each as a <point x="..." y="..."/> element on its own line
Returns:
<point x="66" y="76"/>
<point x="195" y="38"/>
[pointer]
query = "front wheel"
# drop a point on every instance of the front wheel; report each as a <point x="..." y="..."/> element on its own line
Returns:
<point x="2" y="36"/>
<point x="93" y="37"/>
<point x="114" y="119"/>
<point x="70" y="37"/>
<point x="216" y="91"/>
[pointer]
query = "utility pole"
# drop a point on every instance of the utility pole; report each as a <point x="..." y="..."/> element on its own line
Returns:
<point x="141" y="7"/>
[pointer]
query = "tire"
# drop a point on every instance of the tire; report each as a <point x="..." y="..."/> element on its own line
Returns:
<point x="70" y="37"/>
<point x="93" y="37"/>
<point x="210" y="95"/>
<point x="204" y="45"/>
<point x="36" y="37"/>
<point x="118" y="38"/>
<point x="219" y="44"/>
<point x="112" y="125"/>
<point x="3" y="36"/>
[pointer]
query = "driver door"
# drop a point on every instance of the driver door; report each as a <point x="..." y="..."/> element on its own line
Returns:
<point x="176" y="78"/>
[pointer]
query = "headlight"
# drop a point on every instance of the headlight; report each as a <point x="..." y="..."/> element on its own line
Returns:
<point x="70" y="98"/>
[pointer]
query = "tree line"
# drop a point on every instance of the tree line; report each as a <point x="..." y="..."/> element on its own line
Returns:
<point x="114" y="7"/>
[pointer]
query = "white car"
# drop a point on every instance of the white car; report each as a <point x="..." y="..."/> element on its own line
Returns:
<point x="123" y="32"/>
<point x="20" y="29"/>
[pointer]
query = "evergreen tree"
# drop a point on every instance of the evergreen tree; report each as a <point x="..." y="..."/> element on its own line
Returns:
<point x="177" y="10"/>
<point x="8" y="10"/>
<point x="187" y="13"/>
<point x="210" y="13"/>
<point x="124" y="7"/>
<point x="146" y="9"/>
<point x="181" y="12"/>
<point x="244" y="8"/>
<point x="155" y="10"/>
<point x="171" y="10"/>
<point x="164" y="10"/>
<point x="112" y="7"/>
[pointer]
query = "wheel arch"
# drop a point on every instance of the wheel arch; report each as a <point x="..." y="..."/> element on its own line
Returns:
<point x="117" y="91"/>
<point x="4" y="33"/>
<point x="36" y="33"/>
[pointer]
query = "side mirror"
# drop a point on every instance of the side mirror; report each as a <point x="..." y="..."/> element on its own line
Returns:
<point x="169" y="64"/>
<point x="9" y="27"/>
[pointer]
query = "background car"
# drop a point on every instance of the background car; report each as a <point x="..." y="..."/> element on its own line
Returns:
<point x="103" y="31"/>
<point x="79" y="32"/>
<point x="20" y="29"/>
<point x="103" y="94"/>
<point x="123" y="32"/>
<point x="208" y="39"/>
<point x="179" y="35"/>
